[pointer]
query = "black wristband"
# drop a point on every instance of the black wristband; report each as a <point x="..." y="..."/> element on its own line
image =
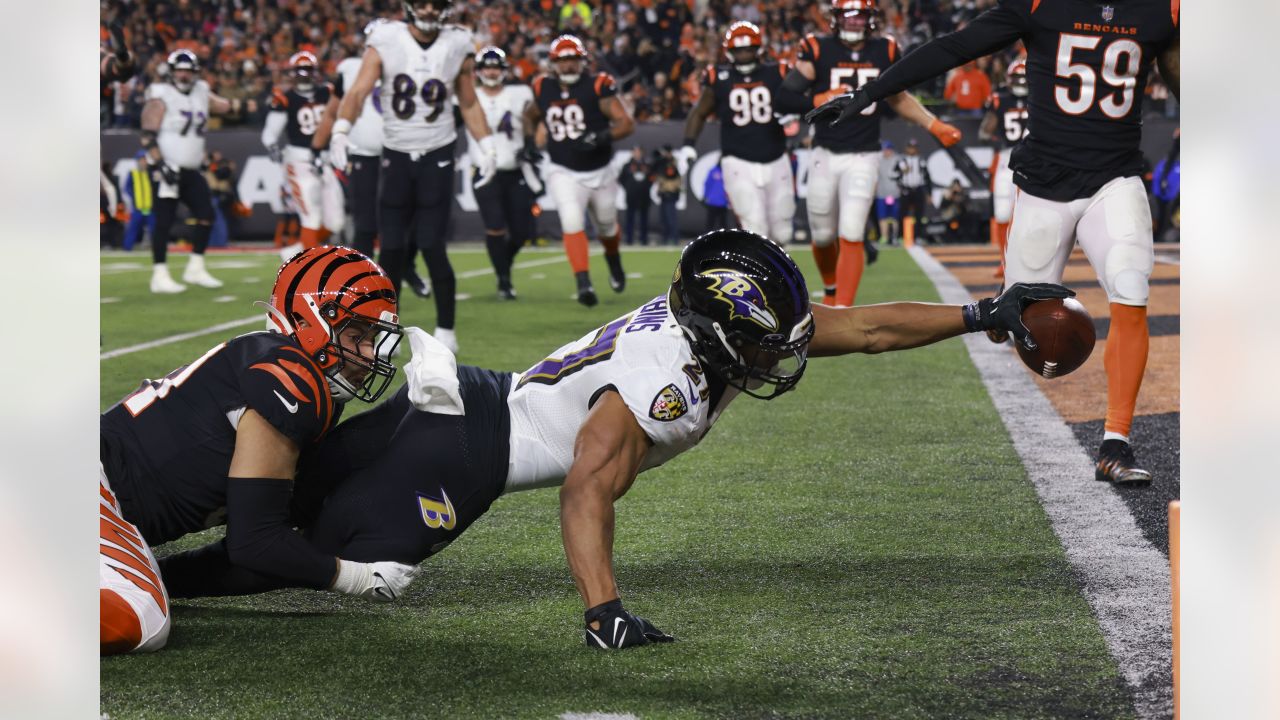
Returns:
<point x="972" y="317"/>
<point x="612" y="607"/>
<point x="689" y="142"/>
<point x="148" y="139"/>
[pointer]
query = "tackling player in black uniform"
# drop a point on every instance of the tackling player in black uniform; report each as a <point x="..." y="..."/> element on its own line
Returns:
<point x="735" y="320"/>
<point x="298" y="113"/>
<point x="1006" y="124"/>
<point x="216" y="442"/>
<point x="846" y="159"/>
<point x="753" y="146"/>
<point x="1079" y="169"/>
<point x="583" y="118"/>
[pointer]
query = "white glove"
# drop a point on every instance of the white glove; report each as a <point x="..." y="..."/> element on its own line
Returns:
<point x="378" y="581"/>
<point x="486" y="161"/>
<point x="338" y="144"/>
<point x="684" y="157"/>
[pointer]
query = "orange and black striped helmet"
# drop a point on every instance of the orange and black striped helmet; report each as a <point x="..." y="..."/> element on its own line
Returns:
<point x="341" y="308"/>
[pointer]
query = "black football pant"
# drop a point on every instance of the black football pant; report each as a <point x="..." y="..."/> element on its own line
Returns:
<point x="362" y="184"/>
<point x="915" y="204"/>
<point x="193" y="191"/>
<point x="417" y="195"/>
<point x="506" y="208"/>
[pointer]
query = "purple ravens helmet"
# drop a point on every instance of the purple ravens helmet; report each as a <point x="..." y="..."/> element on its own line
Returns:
<point x="744" y="306"/>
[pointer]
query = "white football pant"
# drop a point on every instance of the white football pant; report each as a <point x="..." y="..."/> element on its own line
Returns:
<point x="576" y="193"/>
<point x="762" y="195"/>
<point x="1113" y="228"/>
<point x="1002" y="189"/>
<point x="318" y="199"/>
<point x="843" y="186"/>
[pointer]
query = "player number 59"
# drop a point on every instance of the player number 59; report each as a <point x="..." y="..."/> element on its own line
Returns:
<point x="1125" y="81"/>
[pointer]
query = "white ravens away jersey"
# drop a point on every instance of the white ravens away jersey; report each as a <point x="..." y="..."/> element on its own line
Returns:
<point x="645" y="357"/>
<point x="181" y="136"/>
<point x="366" y="134"/>
<point x="417" y="84"/>
<point x="504" y="113"/>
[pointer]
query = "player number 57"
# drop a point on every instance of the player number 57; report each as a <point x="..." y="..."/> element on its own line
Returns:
<point x="1122" y="52"/>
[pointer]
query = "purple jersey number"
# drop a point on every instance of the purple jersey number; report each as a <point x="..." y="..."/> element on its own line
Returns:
<point x="599" y="349"/>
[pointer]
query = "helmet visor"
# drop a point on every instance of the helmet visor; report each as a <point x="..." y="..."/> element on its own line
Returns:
<point x="775" y="364"/>
<point x="364" y="348"/>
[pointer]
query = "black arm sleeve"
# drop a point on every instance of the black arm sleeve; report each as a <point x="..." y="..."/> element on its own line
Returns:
<point x="994" y="29"/>
<point x="208" y="572"/>
<point x="259" y="537"/>
<point x="793" y="94"/>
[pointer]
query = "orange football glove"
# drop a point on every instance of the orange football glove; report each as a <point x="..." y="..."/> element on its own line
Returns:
<point x="823" y="98"/>
<point x="948" y="135"/>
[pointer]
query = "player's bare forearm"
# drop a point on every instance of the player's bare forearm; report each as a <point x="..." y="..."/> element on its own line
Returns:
<point x="152" y="116"/>
<point x="607" y="456"/>
<point x="881" y="328"/>
<point x="620" y="122"/>
<point x="1170" y="68"/>
<point x="473" y="117"/>
<point x="698" y="117"/>
<point x="910" y="109"/>
<point x="532" y="117"/>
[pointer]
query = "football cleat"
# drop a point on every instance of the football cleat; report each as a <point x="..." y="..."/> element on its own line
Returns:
<point x="617" y="277"/>
<point x="873" y="252"/>
<point x="586" y="293"/>
<point x="162" y="283"/>
<point x="1116" y="464"/>
<point x="196" y="274"/>
<point x="417" y="284"/>
<point x="505" y="290"/>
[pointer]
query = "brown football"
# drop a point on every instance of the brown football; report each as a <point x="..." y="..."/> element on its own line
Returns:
<point x="1064" y="336"/>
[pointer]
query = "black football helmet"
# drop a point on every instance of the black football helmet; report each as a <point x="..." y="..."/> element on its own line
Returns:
<point x="744" y="306"/>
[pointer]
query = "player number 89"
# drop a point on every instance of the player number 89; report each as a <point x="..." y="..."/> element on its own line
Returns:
<point x="434" y="93"/>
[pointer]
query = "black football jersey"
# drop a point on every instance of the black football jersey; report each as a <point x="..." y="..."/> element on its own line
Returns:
<point x="837" y="64"/>
<point x="304" y="112"/>
<point x="167" y="447"/>
<point x="1011" y="118"/>
<point x="1087" y="69"/>
<point x="572" y="112"/>
<point x="744" y="105"/>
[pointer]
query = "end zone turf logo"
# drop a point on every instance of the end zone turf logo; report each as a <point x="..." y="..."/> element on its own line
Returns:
<point x="669" y="404"/>
<point x="437" y="513"/>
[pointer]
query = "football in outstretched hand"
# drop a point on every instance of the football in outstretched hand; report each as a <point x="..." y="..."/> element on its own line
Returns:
<point x="1064" y="335"/>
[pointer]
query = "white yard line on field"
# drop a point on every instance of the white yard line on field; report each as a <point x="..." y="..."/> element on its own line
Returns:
<point x="220" y="327"/>
<point x="1124" y="578"/>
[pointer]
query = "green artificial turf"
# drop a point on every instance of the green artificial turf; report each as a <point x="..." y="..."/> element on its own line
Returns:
<point x="867" y="546"/>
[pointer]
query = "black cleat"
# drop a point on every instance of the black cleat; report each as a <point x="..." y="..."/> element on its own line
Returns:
<point x="586" y="293"/>
<point x="617" y="277"/>
<point x="873" y="252"/>
<point x="505" y="290"/>
<point x="1116" y="464"/>
<point x="417" y="284"/>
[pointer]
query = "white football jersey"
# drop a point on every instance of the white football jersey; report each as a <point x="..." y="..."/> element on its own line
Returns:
<point x="181" y="136"/>
<point x="646" y="358"/>
<point x="504" y="113"/>
<point x="417" y="84"/>
<point x="366" y="134"/>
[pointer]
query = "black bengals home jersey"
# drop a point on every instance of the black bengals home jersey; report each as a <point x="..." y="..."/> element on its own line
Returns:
<point x="1087" y="69"/>
<point x="303" y="112"/>
<point x="836" y="64"/>
<point x="167" y="447"/>
<point x="744" y="105"/>
<point x="572" y="112"/>
<point x="1011" y="118"/>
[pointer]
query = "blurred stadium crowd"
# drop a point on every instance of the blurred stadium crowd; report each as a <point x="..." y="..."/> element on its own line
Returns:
<point x="655" y="48"/>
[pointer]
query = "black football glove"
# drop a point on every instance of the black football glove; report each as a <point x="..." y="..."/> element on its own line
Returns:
<point x="619" y="628"/>
<point x="1004" y="312"/>
<point x="839" y="109"/>
<point x="165" y="172"/>
<point x="530" y="152"/>
<point x="593" y="141"/>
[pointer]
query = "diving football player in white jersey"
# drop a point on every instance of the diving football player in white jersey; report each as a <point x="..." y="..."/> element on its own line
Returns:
<point x="628" y="396"/>
<point x="422" y="62"/>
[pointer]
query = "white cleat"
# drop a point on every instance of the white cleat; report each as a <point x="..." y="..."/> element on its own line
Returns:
<point x="162" y="283"/>
<point x="447" y="338"/>
<point x="197" y="275"/>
